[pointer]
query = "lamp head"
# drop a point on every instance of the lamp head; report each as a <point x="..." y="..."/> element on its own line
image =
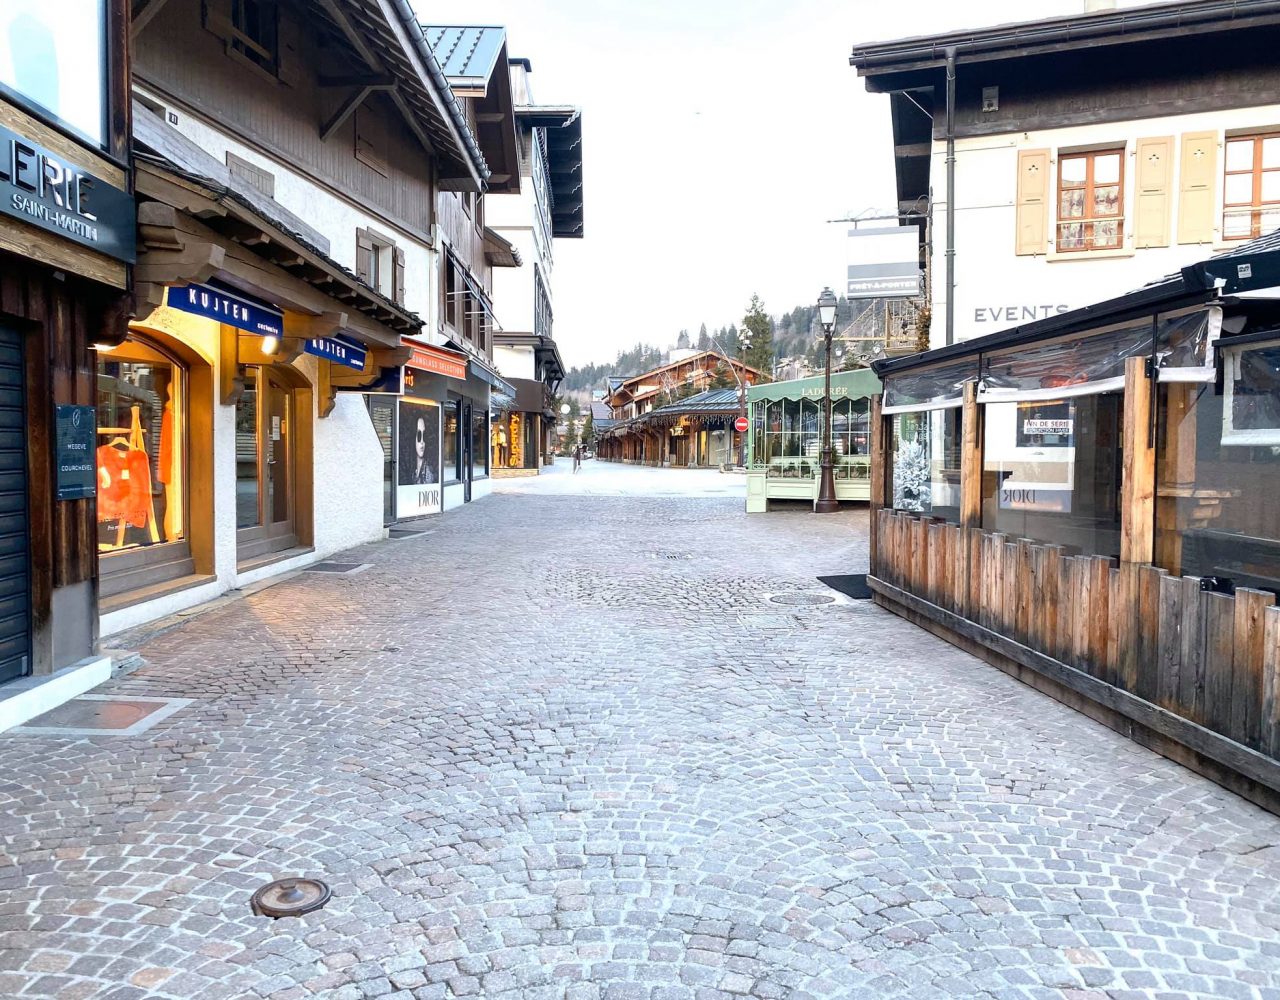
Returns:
<point x="827" y="308"/>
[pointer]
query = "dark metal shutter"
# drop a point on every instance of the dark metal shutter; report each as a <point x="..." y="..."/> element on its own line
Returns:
<point x="15" y="565"/>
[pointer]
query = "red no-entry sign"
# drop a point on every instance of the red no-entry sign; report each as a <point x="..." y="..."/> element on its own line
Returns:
<point x="740" y="425"/>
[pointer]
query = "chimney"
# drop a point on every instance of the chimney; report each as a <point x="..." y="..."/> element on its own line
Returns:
<point x="1094" y="6"/>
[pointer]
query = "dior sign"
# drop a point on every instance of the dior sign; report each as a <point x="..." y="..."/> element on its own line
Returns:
<point x="42" y="188"/>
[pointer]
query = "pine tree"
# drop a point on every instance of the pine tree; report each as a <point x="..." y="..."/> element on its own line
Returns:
<point x="588" y="430"/>
<point x="704" y="338"/>
<point x="760" y="355"/>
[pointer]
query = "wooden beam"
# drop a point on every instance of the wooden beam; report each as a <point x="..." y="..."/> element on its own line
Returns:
<point x="143" y="15"/>
<point x="326" y="394"/>
<point x="345" y="110"/>
<point x="971" y="459"/>
<point x="374" y="81"/>
<point x="1138" y="488"/>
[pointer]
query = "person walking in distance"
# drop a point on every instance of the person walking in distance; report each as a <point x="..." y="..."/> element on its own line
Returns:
<point x="577" y="457"/>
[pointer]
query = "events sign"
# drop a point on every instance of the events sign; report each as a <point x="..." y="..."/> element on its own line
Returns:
<point x="225" y="307"/>
<point x="418" y="458"/>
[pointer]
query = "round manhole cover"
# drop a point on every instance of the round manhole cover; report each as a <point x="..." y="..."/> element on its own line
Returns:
<point x="290" y="897"/>
<point x="801" y="600"/>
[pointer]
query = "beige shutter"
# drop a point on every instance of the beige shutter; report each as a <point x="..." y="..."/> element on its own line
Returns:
<point x="1033" y="201"/>
<point x="1154" y="187"/>
<point x="364" y="255"/>
<point x="1198" y="187"/>
<point x="397" y="275"/>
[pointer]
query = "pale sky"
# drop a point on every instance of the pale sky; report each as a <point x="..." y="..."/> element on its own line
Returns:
<point x="718" y="138"/>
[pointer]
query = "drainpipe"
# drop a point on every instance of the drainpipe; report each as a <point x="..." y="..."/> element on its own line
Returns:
<point x="951" y="194"/>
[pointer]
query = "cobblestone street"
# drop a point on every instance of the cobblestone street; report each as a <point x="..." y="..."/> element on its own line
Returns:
<point x="565" y="746"/>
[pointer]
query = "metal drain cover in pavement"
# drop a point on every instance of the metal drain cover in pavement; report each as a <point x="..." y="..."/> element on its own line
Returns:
<point x="103" y="715"/>
<point x="801" y="600"/>
<point x="290" y="897"/>
<point x="329" y="566"/>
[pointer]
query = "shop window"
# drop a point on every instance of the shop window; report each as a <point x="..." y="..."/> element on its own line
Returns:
<point x="452" y="463"/>
<point x="141" y="447"/>
<point x="1051" y="471"/>
<point x="925" y="462"/>
<point x="1215" y="509"/>
<point x="479" y="436"/>
<point x="1090" y="200"/>
<point x="1251" y="186"/>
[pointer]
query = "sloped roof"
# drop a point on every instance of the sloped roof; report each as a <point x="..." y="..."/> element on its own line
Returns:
<point x="391" y="41"/>
<point x="562" y="125"/>
<point x="474" y="62"/>
<point x="467" y="54"/>
<point x="713" y="400"/>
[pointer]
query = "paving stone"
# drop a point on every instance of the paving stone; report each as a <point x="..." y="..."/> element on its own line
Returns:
<point x="534" y="759"/>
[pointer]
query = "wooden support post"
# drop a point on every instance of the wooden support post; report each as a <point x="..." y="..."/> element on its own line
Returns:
<point x="971" y="459"/>
<point x="879" y="442"/>
<point x="230" y="379"/>
<point x="1138" y="490"/>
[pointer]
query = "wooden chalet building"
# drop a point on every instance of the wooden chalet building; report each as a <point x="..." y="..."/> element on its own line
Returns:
<point x="694" y="432"/>
<point x="632" y="439"/>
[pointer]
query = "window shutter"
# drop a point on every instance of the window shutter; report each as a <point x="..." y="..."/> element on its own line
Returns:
<point x="1033" y="202"/>
<point x="364" y="256"/>
<point x="217" y="18"/>
<point x="1197" y="191"/>
<point x="397" y="275"/>
<point x="1154" y="184"/>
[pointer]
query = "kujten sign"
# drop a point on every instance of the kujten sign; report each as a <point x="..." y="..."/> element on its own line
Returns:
<point x="216" y="303"/>
<point x="339" y="350"/>
<point x="46" y="190"/>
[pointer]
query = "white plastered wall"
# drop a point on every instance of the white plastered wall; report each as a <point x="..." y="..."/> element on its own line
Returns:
<point x="997" y="289"/>
<point x="336" y="218"/>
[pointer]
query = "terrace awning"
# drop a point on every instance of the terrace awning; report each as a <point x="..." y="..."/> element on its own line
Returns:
<point x="860" y="382"/>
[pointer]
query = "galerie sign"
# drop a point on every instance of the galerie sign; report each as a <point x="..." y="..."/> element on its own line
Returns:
<point x="41" y="188"/>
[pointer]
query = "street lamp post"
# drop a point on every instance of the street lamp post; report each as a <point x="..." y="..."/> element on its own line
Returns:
<point x="826" y="502"/>
<point x="744" y="344"/>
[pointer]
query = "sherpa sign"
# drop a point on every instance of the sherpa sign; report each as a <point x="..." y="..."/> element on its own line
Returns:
<point x="48" y="191"/>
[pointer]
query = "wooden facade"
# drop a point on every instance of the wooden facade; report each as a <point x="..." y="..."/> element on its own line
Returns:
<point x="61" y="298"/>
<point x="1188" y="665"/>
<point x="304" y="116"/>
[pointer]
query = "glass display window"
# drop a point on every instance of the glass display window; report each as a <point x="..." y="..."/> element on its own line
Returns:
<point x="925" y="462"/>
<point x="480" y="434"/>
<point x="1052" y="470"/>
<point x="141" y="453"/>
<point x="452" y="464"/>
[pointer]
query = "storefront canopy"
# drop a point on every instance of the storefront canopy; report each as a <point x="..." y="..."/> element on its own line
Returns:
<point x="860" y="382"/>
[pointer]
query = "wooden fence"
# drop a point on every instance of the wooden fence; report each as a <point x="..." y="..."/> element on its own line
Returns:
<point x="1208" y="658"/>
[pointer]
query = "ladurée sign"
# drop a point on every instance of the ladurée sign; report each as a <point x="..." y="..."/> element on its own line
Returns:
<point x="48" y="191"/>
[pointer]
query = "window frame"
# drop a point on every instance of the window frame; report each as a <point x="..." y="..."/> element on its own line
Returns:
<point x="250" y="50"/>
<point x="1256" y="207"/>
<point x="1088" y="221"/>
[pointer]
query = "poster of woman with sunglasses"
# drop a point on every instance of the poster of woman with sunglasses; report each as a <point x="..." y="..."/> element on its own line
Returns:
<point x="418" y="459"/>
